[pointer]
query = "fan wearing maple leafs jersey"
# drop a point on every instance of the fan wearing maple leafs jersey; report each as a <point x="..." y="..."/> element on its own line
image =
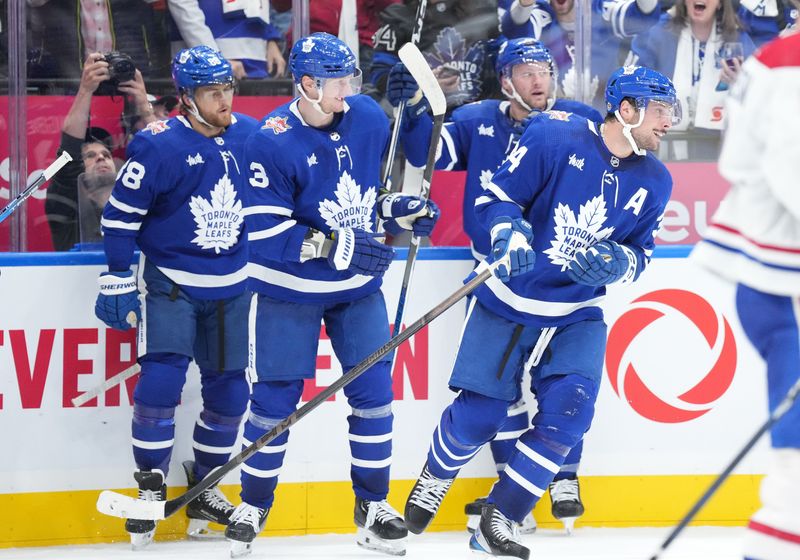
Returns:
<point x="313" y="203"/>
<point x="179" y="197"/>
<point x="574" y="207"/>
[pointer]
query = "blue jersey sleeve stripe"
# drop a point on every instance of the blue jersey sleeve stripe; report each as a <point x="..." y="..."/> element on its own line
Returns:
<point x="126" y="207"/>
<point x="117" y="224"/>
<point x="447" y="140"/>
<point x="271" y="232"/>
<point x="266" y="209"/>
<point x="500" y="194"/>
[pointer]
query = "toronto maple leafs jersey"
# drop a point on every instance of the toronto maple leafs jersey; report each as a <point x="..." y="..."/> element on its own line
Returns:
<point x="477" y="139"/>
<point x="180" y="195"/>
<point x="303" y="177"/>
<point x="574" y="192"/>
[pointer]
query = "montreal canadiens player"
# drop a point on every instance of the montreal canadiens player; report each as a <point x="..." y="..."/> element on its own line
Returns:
<point x="478" y="137"/>
<point x="754" y="241"/>
<point x="574" y="207"/>
<point x="313" y="205"/>
<point x="179" y="197"/>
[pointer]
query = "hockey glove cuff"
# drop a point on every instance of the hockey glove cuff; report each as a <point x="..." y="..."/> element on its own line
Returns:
<point x="118" y="304"/>
<point x="403" y="212"/>
<point x="602" y="263"/>
<point x="360" y="252"/>
<point x="511" y="247"/>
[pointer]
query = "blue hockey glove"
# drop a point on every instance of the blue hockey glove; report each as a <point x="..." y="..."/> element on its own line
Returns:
<point x="401" y="86"/>
<point x="360" y="251"/>
<point x="117" y="303"/>
<point x="602" y="263"/>
<point x="511" y="247"/>
<point x="403" y="212"/>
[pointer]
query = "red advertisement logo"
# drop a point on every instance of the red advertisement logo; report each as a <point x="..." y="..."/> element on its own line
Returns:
<point x="711" y="326"/>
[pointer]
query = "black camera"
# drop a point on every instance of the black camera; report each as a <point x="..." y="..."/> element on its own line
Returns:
<point x="120" y="69"/>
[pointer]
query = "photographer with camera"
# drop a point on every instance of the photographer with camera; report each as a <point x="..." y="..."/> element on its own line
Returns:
<point x="77" y="194"/>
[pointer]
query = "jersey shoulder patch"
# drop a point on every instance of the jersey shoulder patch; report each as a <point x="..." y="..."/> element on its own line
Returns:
<point x="278" y="125"/>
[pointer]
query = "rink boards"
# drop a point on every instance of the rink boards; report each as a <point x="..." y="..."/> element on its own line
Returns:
<point x="682" y="391"/>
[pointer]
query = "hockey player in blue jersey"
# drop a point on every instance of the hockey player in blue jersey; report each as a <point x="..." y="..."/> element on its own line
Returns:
<point x="573" y="208"/>
<point x="179" y="197"/>
<point x="477" y="139"/>
<point x="313" y="205"/>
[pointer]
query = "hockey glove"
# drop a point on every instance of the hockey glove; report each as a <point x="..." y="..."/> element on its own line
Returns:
<point x="401" y="86"/>
<point x="360" y="252"/>
<point x="511" y="247"/>
<point x="117" y="304"/>
<point x="602" y="263"/>
<point x="403" y="212"/>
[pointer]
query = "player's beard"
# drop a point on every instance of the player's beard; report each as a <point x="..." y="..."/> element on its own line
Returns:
<point x="646" y="139"/>
<point x="222" y="120"/>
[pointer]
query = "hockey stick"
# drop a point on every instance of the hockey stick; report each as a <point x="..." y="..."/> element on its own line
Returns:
<point x="418" y="66"/>
<point x="45" y="176"/>
<point x="415" y="35"/>
<point x="776" y="415"/>
<point x="112" y="381"/>
<point x="119" y="505"/>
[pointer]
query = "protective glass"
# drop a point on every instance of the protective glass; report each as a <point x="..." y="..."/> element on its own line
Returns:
<point x="341" y="87"/>
<point x="214" y="93"/>
<point x="666" y="108"/>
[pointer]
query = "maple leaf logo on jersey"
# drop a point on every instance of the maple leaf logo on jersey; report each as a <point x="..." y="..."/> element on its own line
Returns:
<point x="350" y="209"/>
<point x="277" y="124"/>
<point x="157" y="127"/>
<point x="218" y="220"/>
<point x="576" y="232"/>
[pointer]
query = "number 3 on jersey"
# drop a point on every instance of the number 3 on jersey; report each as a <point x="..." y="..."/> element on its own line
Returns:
<point x="131" y="174"/>
<point x="258" y="177"/>
<point x="515" y="157"/>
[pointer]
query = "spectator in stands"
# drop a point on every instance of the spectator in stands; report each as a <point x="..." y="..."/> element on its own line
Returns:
<point x="62" y="33"/>
<point x="77" y="194"/>
<point x="766" y="19"/>
<point x="456" y="39"/>
<point x="353" y="21"/>
<point x="688" y="45"/>
<point x="614" y="23"/>
<point x="244" y="36"/>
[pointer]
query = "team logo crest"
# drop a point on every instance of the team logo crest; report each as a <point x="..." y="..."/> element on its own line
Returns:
<point x="351" y="209"/>
<point x="278" y="125"/>
<point x="486" y="178"/>
<point x="157" y="127"/>
<point x="576" y="232"/>
<point x="452" y="56"/>
<point x="558" y="115"/>
<point x="218" y="220"/>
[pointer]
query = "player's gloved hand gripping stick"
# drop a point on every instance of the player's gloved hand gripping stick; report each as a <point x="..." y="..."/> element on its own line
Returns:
<point x="119" y="505"/>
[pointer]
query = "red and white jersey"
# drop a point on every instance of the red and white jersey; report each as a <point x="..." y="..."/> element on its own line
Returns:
<point x="754" y="237"/>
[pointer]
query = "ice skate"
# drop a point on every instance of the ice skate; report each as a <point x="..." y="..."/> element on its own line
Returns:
<point x="473" y="511"/>
<point x="380" y="527"/>
<point x="246" y="522"/>
<point x="424" y="501"/>
<point x="152" y="489"/>
<point x="566" y="502"/>
<point x="497" y="536"/>
<point x="210" y="506"/>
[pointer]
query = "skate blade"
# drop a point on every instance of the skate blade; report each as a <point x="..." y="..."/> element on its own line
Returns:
<point x="140" y="541"/>
<point x="394" y="547"/>
<point x="199" y="529"/>
<point x="569" y="524"/>
<point x="240" y="549"/>
<point x="472" y="523"/>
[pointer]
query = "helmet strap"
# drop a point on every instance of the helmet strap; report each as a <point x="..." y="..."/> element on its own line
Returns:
<point x="195" y="112"/>
<point x="314" y="102"/>
<point x="626" y="131"/>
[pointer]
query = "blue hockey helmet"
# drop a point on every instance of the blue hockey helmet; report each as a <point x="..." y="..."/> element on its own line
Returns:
<point x="642" y="85"/>
<point x="521" y="51"/>
<point x="200" y="66"/>
<point x="321" y="55"/>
